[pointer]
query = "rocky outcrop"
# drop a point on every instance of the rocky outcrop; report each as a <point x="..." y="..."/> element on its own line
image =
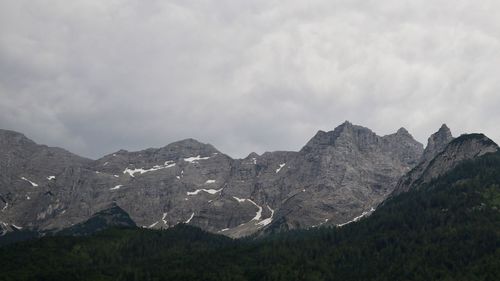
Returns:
<point x="456" y="151"/>
<point x="336" y="177"/>
<point x="436" y="143"/>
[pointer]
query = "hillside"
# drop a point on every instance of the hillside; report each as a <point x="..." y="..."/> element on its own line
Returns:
<point x="447" y="229"/>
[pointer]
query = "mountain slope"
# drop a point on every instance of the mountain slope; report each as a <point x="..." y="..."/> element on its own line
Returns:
<point x="446" y="229"/>
<point x="343" y="173"/>
<point x="447" y="157"/>
<point x="336" y="177"/>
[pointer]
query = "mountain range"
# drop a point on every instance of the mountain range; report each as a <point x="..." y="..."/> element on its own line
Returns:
<point x="446" y="228"/>
<point x="338" y="177"/>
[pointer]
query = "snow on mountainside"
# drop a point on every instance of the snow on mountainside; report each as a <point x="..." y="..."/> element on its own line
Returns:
<point x="334" y="179"/>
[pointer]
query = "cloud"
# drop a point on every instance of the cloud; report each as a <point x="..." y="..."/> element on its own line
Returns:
<point x="97" y="76"/>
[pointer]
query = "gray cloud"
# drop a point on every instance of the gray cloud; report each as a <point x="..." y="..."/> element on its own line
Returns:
<point x="97" y="76"/>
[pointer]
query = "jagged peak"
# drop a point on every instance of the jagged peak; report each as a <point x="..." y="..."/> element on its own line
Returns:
<point x="402" y="131"/>
<point x="346" y="129"/>
<point x="437" y="142"/>
<point x="346" y="123"/>
<point x="444" y="129"/>
<point x="252" y="155"/>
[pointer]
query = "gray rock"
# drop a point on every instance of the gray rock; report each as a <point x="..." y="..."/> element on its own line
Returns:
<point x="336" y="177"/>
<point x="446" y="157"/>
<point x="437" y="143"/>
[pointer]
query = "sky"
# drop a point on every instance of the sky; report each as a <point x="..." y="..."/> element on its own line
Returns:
<point x="97" y="76"/>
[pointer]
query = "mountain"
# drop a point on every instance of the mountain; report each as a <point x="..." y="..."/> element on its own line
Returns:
<point x="442" y="154"/>
<point x="342" y="174"/>
<point x="113" y="217"/>
<point x="335" y="178"/>
<point x="444" y="229"/>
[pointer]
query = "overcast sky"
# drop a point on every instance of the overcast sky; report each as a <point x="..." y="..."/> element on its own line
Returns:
<point x="95" y="76"/>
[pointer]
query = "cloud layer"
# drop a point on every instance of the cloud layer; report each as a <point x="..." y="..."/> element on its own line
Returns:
<point x="97" y="76"/>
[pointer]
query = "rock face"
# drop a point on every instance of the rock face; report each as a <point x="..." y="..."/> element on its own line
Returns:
<point x="436" y="143"/>
<point x="449" y="156"/>
<point x="335" y="178"/>
<point x="338" y="175"/>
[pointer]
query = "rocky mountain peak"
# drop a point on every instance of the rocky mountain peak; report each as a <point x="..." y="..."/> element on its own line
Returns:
<point x="344" y="134"/>
<point x="252" y="155"/>
<point x="437" y="142"/>
<point x="403" y="131"/>
<point x="191" y="146"/>
<point x="463" y="148"/>
<point x="403" y="146"/>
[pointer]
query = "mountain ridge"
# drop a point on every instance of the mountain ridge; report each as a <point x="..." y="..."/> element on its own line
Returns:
<point x="447" y="229"/>
<point x="336" y="177"/>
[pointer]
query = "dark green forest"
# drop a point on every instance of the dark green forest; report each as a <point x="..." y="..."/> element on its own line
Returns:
<point x="446" y="230"/>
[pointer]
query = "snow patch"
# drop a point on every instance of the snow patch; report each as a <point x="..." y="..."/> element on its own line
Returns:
<point x="17" y="227"/>
<point x="357" y="218"/>
<point x="258" y="215"/>
<point x="131" y="172"/>
<point x="32" y="183"/>
<point x="269" y="219"/>
<point x="195" y="159"/>
<point x="163" y="218"/>
<point x="239" y="199"/>
<point x="210" y="181"/>
<point x="105" y="164"/>
<point x="320" y="224"/>
<point x="225" y="229"/>
<point x="27" y="197"/>
<point x="153" y="224"/>
<point x="254" y="160"/>
<point x="190" y="218"/>
<point x="5" y="207"/>
<point x="116" y="187"/>
<point x="116" y="176"/>
<point x="281" y="167"/>
<point x="51" y="178"/>
<point x="211" y="191"/>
